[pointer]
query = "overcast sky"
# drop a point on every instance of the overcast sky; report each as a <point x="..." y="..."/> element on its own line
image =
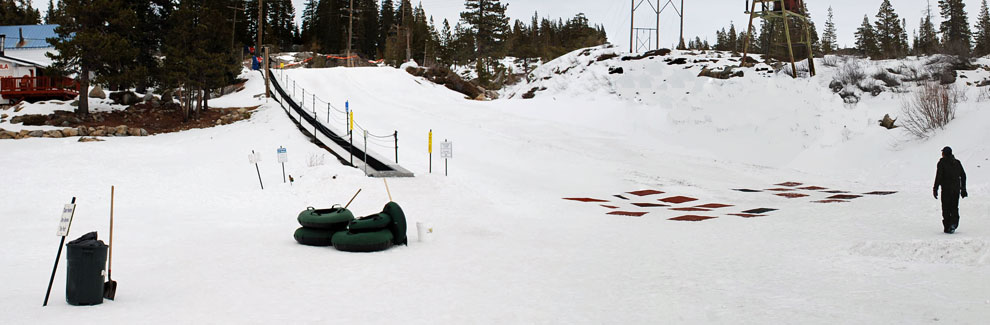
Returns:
<point x="702" y="17"/>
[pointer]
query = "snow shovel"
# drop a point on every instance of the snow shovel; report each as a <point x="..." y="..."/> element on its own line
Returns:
<point x="386" y="190"/>
<point x="110" y="287"/>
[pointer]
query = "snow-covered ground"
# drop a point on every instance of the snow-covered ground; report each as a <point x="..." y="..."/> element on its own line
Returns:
<point x="198" y="241"/>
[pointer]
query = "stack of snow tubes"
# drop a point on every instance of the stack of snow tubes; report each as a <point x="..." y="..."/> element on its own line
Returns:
<point x="337" y="227"/>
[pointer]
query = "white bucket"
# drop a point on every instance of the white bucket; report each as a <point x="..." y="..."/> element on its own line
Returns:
<point x="422" y="230"/>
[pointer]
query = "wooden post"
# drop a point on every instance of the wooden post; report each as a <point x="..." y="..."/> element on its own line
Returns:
<point x="261" y="27"/>
<point x="268" y="90"/>
<point x="681" y="45"/>
<point x="749" y="31"/>
<point x="350" y="32"/>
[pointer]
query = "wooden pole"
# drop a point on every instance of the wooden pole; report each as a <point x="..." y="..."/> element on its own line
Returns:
<point x="261" y="27"/>
<point x="350" y="33"/>
<point x="681" y="45"/>
<point x="749" y="31"/>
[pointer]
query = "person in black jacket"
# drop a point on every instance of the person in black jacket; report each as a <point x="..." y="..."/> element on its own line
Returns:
<point x="952" y="178"/>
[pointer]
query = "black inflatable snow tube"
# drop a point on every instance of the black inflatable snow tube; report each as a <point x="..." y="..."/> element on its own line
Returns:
<point x="335" y="219"/>
<point x="362" y="242"/>
<point x="398" y="226"/>
<point x="314" y="237"/>
<point x="370" y="223"/>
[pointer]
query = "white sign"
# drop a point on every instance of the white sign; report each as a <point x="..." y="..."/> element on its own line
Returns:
<point x="446" y="150"/>
<point x="283" y="157"/>
<point x="254" y="158"/>
<point x="66" y="220"/>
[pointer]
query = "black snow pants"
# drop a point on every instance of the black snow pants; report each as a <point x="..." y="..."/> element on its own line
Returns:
<point x="950" y="208"/>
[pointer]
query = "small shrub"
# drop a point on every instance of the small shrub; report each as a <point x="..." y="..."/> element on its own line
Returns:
<point x="851" y="73"/>
<point x="930" y="107"/>
<point x="984" y="94"/>
<point x="830" y="61"/>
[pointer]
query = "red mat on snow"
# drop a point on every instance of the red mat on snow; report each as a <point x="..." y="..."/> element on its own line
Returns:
<point x="747" y="215"/>
<point x="678" y="199"/>
<point x="610" y="206"/>
<point x="691" y="209"/>
<point x="881" y="193"/>
<point x="645" y="192"/>
<point x="792" y="195"/>
<point x="713" y="206"/>
<point x="650" y="205"/>
<point x="813" y="188"/>
<point x="830" y="201"/>
<point x="691" y="218"/>
<point x="844" y="197"/>
<point x="584" y="199"/>
<point x="791" y="184"/>
<point x="780" y="189"/>
<point x="628" y="214"/>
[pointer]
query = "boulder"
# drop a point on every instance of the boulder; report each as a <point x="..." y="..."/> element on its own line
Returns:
<point x="134" y="132"/>
<point x="167" y="96"/>
<point x="98" y="133"/>
<point x="125" y="98"/>
<point x="120" y="130"/>
<point x="887" y="122"/>
<point x="148" y="97"/>
<point x="36" y="133"/>
<point x="97" y="92"/>
<point x="7" y="135"/>
<point x="83" y="131"/>
<point x="53" y="134"/>
<point x="144" y="132"/>
<point x="30" y="119"/>
<point x="89" y="139"/>
<point x="70" y="132"/>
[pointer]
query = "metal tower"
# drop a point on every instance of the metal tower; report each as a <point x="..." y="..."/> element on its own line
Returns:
<point x="785" y="11"/>
<point x="634" y="32"/>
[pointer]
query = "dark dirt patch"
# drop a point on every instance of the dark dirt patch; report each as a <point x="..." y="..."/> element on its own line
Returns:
<point x="163" y="119"/>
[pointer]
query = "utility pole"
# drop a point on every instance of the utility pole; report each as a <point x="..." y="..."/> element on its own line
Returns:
<point x="350" y="33"/>
<point x="632" y="24"/>
<point x="680" y="45"/>
<point x="233" y="28"/>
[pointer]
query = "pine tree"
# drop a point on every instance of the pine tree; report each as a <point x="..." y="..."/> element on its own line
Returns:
<point x="866" y="39"/>
<point x="956" y="35"/>
<point x="488" y="21"/>
<point x="18" y="12"/>
<point x="829" y="38"/>
<point x="889" y="32"/>
<point x="926" y="42"/>
<point x="308" y="19"/>
<point x="983" y="31"/>
<point x="732" y="39"/>
<point x="386" y="25"/>
<point x="95" y="39"/>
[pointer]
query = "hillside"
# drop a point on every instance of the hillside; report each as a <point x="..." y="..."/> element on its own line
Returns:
<point x="836" y="223"/>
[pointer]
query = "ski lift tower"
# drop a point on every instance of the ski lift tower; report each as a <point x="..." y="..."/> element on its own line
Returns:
<point x="784" y="11"/>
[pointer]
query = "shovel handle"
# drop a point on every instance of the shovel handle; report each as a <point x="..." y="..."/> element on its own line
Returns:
<point x="386" y="190"/>
<point x="352" y="199"/>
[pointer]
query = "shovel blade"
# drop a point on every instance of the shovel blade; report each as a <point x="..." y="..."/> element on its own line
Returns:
<point x="109" y="289"/>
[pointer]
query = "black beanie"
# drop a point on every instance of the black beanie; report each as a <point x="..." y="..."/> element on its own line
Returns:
<point x="947" y="151"/>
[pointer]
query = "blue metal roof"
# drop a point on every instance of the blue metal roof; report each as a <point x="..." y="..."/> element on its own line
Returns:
<point x="34" y="35"/>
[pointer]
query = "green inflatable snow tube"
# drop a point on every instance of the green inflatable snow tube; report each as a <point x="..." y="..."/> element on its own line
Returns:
<point x="398" y="226"/>
<point x="370" y="223"/>
<point x="314" y="237"/>
<point x="335" y="218"/>
<point x="362" y="242"/>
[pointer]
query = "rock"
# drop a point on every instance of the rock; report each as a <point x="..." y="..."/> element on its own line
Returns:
<point x="120" y="130"/>
<point x="54" y="134"/>
<point x="615" y="70"/>
<point x="167" y="96"/>
<point x="836" y="86"/>
<point x="98" y="133"/>
<point x="7" y="135"/>
<point x="678" y="61"/>
<point x="36" y="133"/>
<point x="125" y="98"/>
<point x="4" y="116"/>
<point x="74" y="103"/>
<point x="148" y="97"/>
<point x="70" y="132"/>
<point x="82" y="130"/>
<point x="89" y="139"/>
<point x="134" y="132"/>
<point x="30" y="119"/>
<point x="97" y="92"/>
<point x="144" y="132"/>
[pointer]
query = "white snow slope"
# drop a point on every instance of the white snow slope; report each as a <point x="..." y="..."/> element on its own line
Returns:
<point x="197" y="241"/>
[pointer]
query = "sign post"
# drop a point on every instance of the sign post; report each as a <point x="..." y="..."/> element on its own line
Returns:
<point x="65" y="222"/>
<point x="254" y="159"/>
<point x="446" y="152"/>
<point x="430" y="149"/>
<point x="350" y="132"/>
<point x="283" y="157"/>
<point x="365" y="152"/>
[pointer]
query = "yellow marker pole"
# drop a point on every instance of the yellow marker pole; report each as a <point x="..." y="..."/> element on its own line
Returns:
<point x="430" y="149"/>
<point x="350" y="132"/>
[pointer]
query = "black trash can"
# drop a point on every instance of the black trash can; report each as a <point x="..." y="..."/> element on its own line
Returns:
<point x="87" y="258"/>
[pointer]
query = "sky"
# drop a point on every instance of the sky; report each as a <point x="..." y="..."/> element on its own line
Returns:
<point x="702" y="17"/>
